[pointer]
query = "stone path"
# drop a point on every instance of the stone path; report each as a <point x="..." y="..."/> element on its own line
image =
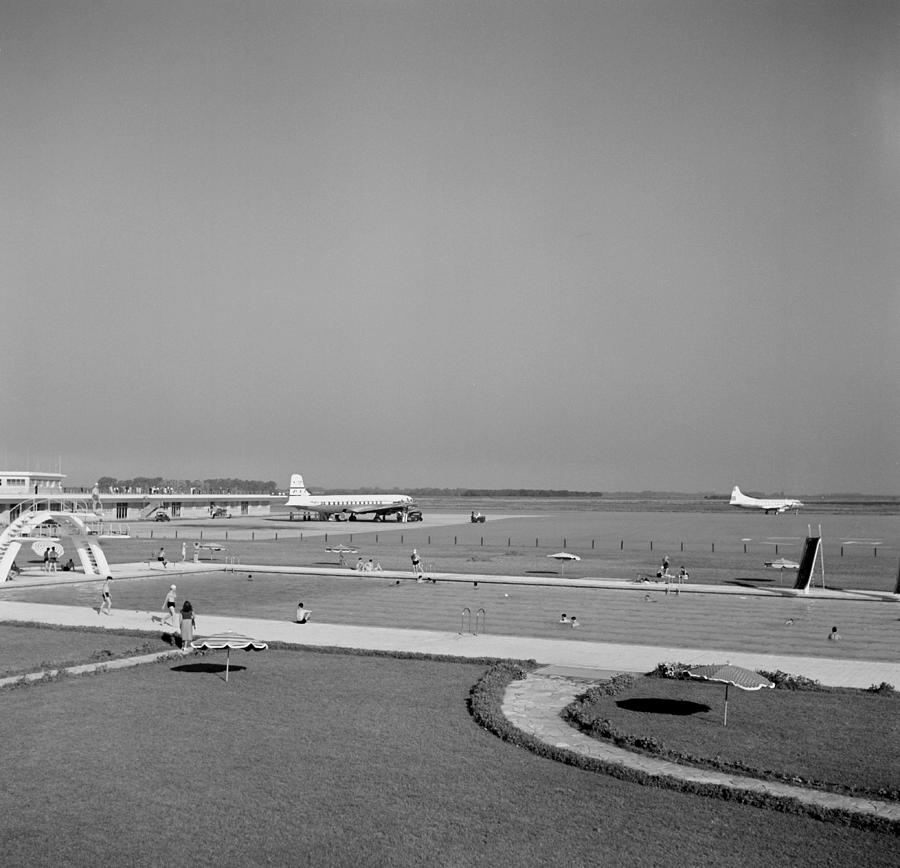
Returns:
<point x="533" y="705"/>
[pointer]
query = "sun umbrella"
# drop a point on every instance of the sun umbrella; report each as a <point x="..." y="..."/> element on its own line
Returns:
<point x="727" y="674"/>
<point x="211" y="547"/>
<point x="562" y="557"/>
<point x="340" y="551"/>
<point x="227" y="640"/>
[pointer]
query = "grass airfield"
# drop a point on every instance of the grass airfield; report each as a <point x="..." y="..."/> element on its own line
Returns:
<point x="334" y="760"/>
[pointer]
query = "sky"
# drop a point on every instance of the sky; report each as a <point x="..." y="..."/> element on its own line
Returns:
<point x="623" y="245"/>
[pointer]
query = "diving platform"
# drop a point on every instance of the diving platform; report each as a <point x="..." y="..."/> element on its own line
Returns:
<point x="71" y="519"/>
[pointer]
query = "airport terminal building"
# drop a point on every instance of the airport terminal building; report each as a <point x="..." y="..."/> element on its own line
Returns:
<point x="21" y="488"/>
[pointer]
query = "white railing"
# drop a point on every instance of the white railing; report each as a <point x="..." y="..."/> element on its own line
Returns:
<point x="103" y="528"/>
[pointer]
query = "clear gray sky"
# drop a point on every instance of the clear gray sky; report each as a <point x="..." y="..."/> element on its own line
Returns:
<point x="597" y="245"/>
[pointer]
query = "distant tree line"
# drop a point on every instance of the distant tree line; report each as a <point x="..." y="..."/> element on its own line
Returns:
<point x="161" y="484"/>
<point x="484" y="492"/>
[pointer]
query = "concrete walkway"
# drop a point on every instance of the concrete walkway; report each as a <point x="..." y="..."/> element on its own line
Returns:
<point x="34" y="577"/>
<point x="533" y="705"/>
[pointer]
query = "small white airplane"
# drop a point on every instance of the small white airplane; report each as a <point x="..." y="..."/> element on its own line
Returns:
<point x="782" y="564"/>
<point x="769" y="504"/>
<point x="341" y="507"/>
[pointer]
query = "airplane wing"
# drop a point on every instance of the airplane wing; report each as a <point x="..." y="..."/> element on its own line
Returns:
<point x="378" y="510"/>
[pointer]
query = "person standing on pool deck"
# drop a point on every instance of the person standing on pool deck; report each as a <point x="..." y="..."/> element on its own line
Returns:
<point x="106" y="597"/>
<point x="169" y="605"/>
<point x="161" y="557"/>
<point x="187" y="624"/>
<point x="416" y="563"/>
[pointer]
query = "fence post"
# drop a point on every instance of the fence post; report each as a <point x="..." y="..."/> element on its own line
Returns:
<point x="714" y="548"/>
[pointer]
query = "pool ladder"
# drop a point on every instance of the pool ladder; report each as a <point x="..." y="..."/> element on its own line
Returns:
<point x="465" y="621"/>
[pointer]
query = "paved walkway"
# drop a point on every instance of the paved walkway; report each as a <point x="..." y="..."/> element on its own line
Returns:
<point x="35" y="577"/>
<point x="579" y="654"/>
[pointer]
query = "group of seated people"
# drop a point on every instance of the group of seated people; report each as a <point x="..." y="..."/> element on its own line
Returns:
<point x="16" y="570"/>
<point x="663" y="574"/>
<point x="572" y="621"/>
<point x="368" y="566"/>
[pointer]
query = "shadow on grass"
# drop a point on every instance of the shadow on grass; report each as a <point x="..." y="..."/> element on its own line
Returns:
<point x="783" y="590"/>
<point x="658" y="705"/>
<point x="208" y="668"/>
<point x="542" y="572"/>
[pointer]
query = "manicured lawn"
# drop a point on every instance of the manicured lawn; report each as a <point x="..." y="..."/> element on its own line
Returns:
<point x="320" y="759"/>
<point x="845" y="737"/>
<point x="29" y="649"/>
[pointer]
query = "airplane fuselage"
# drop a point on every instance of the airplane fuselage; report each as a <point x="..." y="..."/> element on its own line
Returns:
<point x="349" y="506"/>
<point x="767" y="504"/>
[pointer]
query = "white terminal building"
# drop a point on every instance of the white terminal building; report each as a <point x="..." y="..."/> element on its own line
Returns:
<point x="19" y="490"/>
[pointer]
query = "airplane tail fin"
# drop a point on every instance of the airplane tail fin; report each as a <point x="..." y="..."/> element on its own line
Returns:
<point x="735" y="495"/>
<point x="297" y="489"/>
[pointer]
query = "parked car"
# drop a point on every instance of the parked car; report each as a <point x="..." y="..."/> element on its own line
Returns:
<point x="414" y="515"/>
<point x="220" y="513"/>
<point x="161" y="516"/>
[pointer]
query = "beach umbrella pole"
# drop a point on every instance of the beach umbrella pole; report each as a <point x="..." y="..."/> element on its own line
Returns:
<point x="726" y="704"/>
<point x="228" y="660"/>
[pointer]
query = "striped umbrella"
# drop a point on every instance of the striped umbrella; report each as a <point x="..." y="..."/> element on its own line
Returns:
<point x="727" y="674"/>
<point x="340" y="551"/>
<point x="227" y="640"/>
